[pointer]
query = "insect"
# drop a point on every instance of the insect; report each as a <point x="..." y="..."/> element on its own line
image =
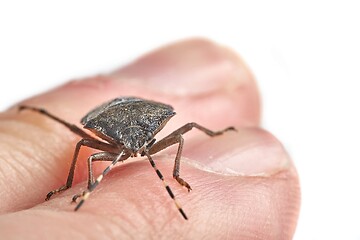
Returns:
<point x="123" y="128"/>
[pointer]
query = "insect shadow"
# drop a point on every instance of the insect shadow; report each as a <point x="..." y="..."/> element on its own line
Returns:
<point x="125" y="127"/>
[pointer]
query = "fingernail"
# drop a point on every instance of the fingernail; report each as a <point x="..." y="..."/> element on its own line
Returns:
<point x="248" y="152"/>
<point x="186" y="68"/>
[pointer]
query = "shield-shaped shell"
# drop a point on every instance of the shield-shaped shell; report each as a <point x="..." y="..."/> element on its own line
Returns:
<point x="130" y="121"/>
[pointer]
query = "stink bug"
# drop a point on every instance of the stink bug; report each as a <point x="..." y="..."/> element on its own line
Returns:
<point x="125" y="127"/>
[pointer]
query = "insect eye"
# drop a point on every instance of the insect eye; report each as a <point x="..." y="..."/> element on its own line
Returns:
<point x="149" y="135"/>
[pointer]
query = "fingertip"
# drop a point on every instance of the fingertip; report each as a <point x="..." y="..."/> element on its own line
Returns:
<point x="41" y="150"/>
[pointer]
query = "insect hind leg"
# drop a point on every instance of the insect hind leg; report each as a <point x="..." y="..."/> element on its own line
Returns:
<point x="72" y="127"/>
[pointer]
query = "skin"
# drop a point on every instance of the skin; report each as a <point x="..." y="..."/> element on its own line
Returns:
<point x="244" y="183"/>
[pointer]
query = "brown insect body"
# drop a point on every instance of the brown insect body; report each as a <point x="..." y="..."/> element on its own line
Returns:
<point x="126" y="126"/>
<point x="130" y="121"/>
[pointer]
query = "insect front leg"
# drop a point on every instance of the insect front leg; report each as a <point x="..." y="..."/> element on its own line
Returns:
<point x="92" y="143"/>
<point x="85" y="195"/>
<point x="176" y="137"/>
<point x="101" y="156"/>
<point x="168" y="141"/>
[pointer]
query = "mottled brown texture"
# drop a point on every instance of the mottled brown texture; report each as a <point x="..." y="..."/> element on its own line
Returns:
<point x="129" y="121"/>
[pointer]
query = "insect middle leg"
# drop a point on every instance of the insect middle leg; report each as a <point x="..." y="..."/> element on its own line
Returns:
<point x="92" y="143"/>
<point x="176" y="137"/>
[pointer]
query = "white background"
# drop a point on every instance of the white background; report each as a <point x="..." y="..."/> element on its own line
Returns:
<point x="305" y="56"/>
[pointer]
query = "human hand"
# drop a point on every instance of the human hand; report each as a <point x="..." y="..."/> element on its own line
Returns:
<point x="244" y="184"/>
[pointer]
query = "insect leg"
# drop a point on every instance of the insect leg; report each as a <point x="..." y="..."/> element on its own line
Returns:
<point x="92" y="143"/>
<point x="171" y="140"/>
<point x="101" y="156"/>
<point x="176" y="137"/>
<point x="72" y="127"/>
<point x="168" y="189"/>
<point x="189" y="126"/>
<point x="86" y="194"/>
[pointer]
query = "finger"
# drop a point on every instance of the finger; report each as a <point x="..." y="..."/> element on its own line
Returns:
<point x="191" y="75"/>
<point x="244" y="187"/>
